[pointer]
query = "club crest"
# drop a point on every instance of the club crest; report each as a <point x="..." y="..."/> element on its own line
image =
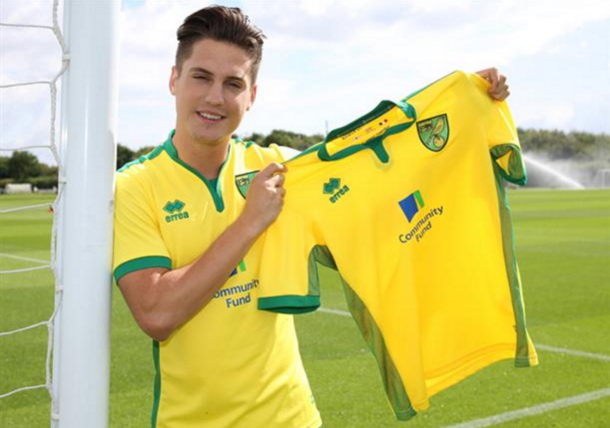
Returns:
<point x="434" y="132"/>
<point x="243" y="181"/>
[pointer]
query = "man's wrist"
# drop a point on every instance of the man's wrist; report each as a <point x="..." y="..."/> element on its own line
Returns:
<point x="248" y="229"/>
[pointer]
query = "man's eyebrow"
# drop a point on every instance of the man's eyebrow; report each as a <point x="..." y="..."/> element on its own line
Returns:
<point x="200" y="70"/>
<point x="204" y="71"/>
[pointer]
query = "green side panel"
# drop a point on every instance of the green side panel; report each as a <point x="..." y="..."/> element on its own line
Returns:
<point x="394" y="388"/>
<point x="516" y="168"/>
<point x="289" y="304"/>
<point x="141" y="263"/>
<point x="214" y="189"/>
<point x="149" y="156"/>
<point x="157" y="385"/>
<point x="510" y="260"/>
<point x="371" y="333"/>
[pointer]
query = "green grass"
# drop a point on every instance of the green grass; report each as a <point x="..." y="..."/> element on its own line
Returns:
<point x="563" y="245"/>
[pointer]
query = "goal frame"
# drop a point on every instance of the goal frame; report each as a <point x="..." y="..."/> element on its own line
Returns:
<point x="81" y="359"/>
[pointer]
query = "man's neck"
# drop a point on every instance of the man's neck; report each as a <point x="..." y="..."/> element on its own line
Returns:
<point x="206" y="159"/>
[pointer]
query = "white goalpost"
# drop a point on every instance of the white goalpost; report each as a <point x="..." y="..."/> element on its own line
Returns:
<point x="81" y="363"/>
<point x="81" y="243"/>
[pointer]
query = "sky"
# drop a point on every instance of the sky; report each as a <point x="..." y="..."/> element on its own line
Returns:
<point x="326" y="63"/>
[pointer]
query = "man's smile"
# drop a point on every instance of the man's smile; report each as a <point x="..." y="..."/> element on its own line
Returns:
<point x="210" y="116"/>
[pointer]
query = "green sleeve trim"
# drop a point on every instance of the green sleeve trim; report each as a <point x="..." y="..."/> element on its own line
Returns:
<point x="522" y="356"/>
<point x="289" y="304"/>
<point x="157" y="385"/>
<point x="141" y="263"/>
<point x="516" y="168"/>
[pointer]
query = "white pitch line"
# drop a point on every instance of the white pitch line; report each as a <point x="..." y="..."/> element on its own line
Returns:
<point x="26" y="259"/>
<point x="539" y="409"/>
<point x="335" y="312"/>
<point x="527" y="411"/>
<point x="572" y="352"/>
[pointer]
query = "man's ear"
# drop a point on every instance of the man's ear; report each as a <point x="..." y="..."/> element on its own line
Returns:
<point x="172" y="80"/>
<point x="252" y="96"/>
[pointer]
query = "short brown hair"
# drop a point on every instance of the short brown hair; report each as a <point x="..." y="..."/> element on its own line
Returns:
<point x="223" y="24"/>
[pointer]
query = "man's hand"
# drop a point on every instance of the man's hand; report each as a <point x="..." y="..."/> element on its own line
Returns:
<point x="162" y="300"/>
<point x="265" y="198"/>
<point x="499" y="89"/>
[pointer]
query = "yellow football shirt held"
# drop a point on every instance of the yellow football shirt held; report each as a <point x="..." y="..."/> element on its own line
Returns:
<point x="231" y="365"/>
<point x="408" y="204"/>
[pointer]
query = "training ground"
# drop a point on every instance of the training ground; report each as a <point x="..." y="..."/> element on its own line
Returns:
<point x="563" y="247"/>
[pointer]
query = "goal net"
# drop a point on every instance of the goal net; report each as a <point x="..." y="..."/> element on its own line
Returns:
<point x="76" y="264"/>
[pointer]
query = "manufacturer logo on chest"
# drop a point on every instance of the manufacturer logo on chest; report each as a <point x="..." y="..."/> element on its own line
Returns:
<point x="175" y="211"/>
<point x="334" y="188"/>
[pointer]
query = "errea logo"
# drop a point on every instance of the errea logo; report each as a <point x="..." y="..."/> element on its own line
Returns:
<point x="333" y="187"/>
<point x="174" y="209"/>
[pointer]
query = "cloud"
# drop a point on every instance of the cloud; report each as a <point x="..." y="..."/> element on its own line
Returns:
<point x="548" y="115"/>
<point x="324" y="60"/>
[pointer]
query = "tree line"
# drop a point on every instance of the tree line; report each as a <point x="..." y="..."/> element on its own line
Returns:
<point x="24" y="167"/>
<point x="553" y="144"/>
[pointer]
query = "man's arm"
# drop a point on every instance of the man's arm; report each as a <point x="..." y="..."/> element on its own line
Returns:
<point x="162" y="300"/>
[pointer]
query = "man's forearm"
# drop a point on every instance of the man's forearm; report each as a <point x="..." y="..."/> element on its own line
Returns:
<point x="162" y="300"/>
<point x="191" y="287"/>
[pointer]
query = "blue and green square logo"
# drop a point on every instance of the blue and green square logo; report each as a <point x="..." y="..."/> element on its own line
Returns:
<point x="240" y="268"/>
<point x="411" y="205"/>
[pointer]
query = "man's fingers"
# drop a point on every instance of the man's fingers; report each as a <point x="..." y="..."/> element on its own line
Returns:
<point x="277" y="180"/>
<point x="492" y="75"/>
<point x="271" y="169"/>
<point x="500" y="84"/>
<point x="500" y="95"/>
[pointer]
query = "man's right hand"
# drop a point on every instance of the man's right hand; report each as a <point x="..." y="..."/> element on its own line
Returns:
<point x="265" y="198"/>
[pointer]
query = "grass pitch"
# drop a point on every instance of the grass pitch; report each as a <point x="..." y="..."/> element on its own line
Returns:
<point x="563" y="246"/>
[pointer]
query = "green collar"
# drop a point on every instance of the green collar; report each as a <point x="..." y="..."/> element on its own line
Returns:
<point x="213" y="188"/>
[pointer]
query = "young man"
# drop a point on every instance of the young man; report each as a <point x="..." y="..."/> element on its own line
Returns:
<point x="186" y="249"/>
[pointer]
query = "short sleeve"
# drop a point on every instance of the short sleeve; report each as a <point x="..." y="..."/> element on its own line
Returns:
<point x="137" y="238"/>
<point x="502" y="137"/>
<point x="290" y="287"/>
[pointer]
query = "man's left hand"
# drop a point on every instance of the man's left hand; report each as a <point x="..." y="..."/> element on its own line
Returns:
<point x="499" y="89"/>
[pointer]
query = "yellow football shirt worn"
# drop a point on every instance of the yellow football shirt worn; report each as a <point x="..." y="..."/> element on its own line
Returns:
<point x="408" y="204"/>
<point x="230" y="365"/>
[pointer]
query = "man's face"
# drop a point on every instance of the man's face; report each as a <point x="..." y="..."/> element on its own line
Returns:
<point x="213" y="91"/>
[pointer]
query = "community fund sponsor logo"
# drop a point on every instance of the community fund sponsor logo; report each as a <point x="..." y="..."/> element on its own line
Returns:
<point x="237" y="295"/>
<point x="334" y="188"/>
<point x="240" y="268"/>
<point x="175" y="211"/>
<point x="434" y="132"/>
<point x="421" y="224"/>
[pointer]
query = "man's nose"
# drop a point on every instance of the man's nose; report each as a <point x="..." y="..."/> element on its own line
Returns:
<point x="215" y="95"/>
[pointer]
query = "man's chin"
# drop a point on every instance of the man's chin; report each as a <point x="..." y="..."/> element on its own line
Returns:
<point x="210" y="141"/>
